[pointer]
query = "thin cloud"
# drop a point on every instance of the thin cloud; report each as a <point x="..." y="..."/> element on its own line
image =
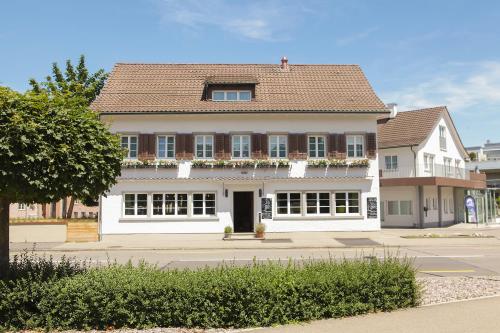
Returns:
<point x="356" y="37"/>
<point x="461" y="87"/>
<point x="257" y="20"/>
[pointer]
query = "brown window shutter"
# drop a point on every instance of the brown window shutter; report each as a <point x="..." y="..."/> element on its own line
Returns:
<point x="264" y="146"/>
<point x="144" y="147"/>
<point x="188" y="146"/>
<point x="302" y="146"/>
<point x="292" y="146"/>
<point x="227" y="146"/>
<point x="179" y="146"/>
<point x="219" y="146"/>
<point x="152" y="146"/>
<point x="341" y="146"/>
<point x="333" y="145"/>
<point x="371" y="145"/>
<point x="256" y="146"/>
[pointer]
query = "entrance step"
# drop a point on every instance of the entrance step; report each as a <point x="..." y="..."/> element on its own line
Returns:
<point x="243" y="236"/>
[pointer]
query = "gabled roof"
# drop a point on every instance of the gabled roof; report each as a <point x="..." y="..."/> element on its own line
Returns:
<point x="408" y="128"/>
<point x="171" y="88"/>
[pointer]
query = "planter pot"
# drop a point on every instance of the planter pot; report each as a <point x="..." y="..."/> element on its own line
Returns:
<point x="227" y="236"/>
<point x="259" y="235"/>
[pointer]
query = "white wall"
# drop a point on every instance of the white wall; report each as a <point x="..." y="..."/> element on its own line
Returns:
<point x="406" y="160"/>
<point x="398" y="193"/>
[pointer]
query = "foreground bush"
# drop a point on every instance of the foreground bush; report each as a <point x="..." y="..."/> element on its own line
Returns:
<point x="260" y="295"/>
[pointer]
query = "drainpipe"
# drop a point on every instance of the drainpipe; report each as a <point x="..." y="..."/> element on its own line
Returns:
<point x="414" y="160"/>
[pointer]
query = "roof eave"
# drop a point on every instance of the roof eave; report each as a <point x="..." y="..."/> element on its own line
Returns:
<point x="244" y="112"/>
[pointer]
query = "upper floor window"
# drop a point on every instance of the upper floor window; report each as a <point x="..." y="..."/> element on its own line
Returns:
<point x="429" y="163"/>
<point x="129" y="142"/>
<point x="277" y="146"/>
<point x="355" y="146"/>
<point x="317" y="146"/>
<point x="447" y="167"/>
<point x="391" y="162"/>
<point x="166" y="146"/>
<point x="442" y="137"/>
<point x="241" y="146"/>
<point x="204" y="146"/>
<point x="231" y="95"/>
<point x="21" y="206"/>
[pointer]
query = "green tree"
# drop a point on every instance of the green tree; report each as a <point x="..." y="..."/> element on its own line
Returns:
<point x="76" y="84"/>
<point x="51" y="148"/>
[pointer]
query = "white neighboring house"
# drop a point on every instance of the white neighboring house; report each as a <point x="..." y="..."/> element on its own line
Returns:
<point x="487" y="160"/>
<point x="422" y="169"/>
<point x="215" y="145"/>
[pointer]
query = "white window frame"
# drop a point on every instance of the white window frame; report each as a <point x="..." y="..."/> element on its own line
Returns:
<point x="238" y="97"/>
<point x="288" y="207"/>
<point x="458" y="169"/>
<point x="176" y="207"/>
<point x="318" y="203"/>
<point x="448" y="166"/>
<point x="129" y="136"/>
<point x="357" y="139"/>
<point x="240" y="137"/>
<point x="442" y="137"/>
<point x="452" y="206"/>
<point x="204" y="206"/>
<point x="410" y="207"/>
<point x="278" y="136"/>
<point x="391" y="164"/>
<point x="205" y="150"/>
<point x="397" y="207"/>
<point x="166" y="157"/>
<point x="429" y="163"/>
<point x="135" y="194"/>
<point x="347" y="206"/>
<point x="445" y="205"/>
<point x="316" y="146"/>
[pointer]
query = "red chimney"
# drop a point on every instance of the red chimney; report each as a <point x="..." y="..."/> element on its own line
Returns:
<point x="284" y="64"/>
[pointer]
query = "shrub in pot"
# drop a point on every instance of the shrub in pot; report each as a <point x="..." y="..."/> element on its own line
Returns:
<point x="228" y="231"/>
<point x="260" y="229"/>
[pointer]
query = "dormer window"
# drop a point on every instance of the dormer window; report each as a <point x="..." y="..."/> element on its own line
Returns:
<point x="231" y="95"/>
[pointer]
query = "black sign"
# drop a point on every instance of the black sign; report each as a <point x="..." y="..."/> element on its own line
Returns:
<point x="371" y="207"/>
<point x="267" y="208"/>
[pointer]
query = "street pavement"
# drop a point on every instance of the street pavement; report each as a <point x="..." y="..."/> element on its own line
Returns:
<point x="476" y="316"/>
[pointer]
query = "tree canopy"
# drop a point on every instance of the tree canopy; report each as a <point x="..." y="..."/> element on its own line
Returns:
<point x="51" y="147"/>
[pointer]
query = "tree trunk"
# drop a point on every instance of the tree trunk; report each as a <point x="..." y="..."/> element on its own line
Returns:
<point x="70" y="208"/>
<point x="44" y="210"/>
<point x="4" y="237"/>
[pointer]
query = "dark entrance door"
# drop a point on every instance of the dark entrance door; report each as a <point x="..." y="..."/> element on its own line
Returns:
<point x="243" y="211"/>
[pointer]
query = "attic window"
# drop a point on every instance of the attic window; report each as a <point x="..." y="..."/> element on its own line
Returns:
<point x="231" y="95"/>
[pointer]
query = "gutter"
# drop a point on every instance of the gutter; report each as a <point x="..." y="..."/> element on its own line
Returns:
<point x="242" y="112"/>
<point x="414" y="159"/>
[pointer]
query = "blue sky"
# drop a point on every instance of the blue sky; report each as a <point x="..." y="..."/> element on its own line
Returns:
<point x="415" y="53"/>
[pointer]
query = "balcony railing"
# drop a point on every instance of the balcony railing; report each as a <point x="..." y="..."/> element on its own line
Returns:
<point x="437" y="170"/>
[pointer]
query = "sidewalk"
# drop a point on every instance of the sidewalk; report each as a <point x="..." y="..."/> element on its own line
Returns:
<point x="477" y="316"/>
<point x="388" y="238"/>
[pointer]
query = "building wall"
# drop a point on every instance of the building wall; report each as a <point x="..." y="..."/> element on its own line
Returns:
<point x="398" y="193"/>
<point x="406" y="159"/>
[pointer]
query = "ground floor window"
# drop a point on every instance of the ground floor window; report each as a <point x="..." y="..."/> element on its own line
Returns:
<point x="203" y="203"/>
<point x="136" y="204"/>
<point x="170" y="204"/>
<point x="289" y="203"/>
<point x="347" y="203"/>
<point x="399" y="207"/>
<point x="318" y="203"/>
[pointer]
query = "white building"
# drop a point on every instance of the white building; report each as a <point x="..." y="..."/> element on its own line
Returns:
<point x="487" y="160"/>
<point x="422" y="169"/>
<point x="209" y="146"/>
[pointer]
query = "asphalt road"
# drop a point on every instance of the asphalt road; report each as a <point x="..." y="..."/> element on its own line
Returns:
<point x="429" y="261"/>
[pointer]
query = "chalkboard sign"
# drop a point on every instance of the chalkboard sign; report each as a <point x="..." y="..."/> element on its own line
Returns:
<point x="267" y="208"/>
<point x="371" y="207"/>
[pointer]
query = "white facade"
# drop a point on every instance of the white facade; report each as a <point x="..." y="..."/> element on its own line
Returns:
<point x="431" y="158"/>
<point x="223" y="183"/>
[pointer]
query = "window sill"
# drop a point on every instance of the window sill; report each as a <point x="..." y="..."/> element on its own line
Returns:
<point x="169" y="219"/>
<point x="318" y="217"/>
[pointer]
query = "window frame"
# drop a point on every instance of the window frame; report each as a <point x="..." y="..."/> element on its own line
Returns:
<point x="238" y="94"/>
<point x="442" y="138"/>
<point x="316" y="146"/>
<point x="391" y="158"/>
<point x="318" y="203"/>
<point x="428" y="166"/>
<point x="389" y="206"/>
<point x="347" y="206"/>
<point x="278" y="148"/>
<point x="176" y="207"/>
<point x="355" y="138"/>
<point x="204" y="157"/>
<point x="135" y="215"/>
<point x="21" y="206"/>
<point x="166" y="136"/>
<point x="129" y="136"/>
<point x="240" y="136"/>
<point x="288" y="206"/>
<point x="204" y="205"/>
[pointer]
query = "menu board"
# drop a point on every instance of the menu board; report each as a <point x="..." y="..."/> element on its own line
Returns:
<point x="371" y="207"/>
<point x="267" y="208"/>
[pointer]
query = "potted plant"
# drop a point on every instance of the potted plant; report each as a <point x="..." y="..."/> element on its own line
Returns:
<point x="260" y="229"/>
<point x="227" y="232"/>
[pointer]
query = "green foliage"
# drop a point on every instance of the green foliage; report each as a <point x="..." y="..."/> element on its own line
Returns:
<point x="472" y="156"/>
<point x="53" y="147"/>
<point x="74" y="83"/>
<point x="226" y="296"/>
<point x="260" y="228"/>
<point x="228" y="229"/>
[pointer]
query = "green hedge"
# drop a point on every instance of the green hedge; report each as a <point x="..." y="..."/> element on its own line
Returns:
<point x="258" y="295"/>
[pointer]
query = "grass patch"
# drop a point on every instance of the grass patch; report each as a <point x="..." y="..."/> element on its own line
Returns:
<point x="432" y="235"/>
<point x="43" y="294"/>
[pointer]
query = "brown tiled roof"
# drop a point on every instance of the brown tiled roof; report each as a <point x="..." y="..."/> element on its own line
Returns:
<point x="179" y="88"/>
<point x="408" y="128"/>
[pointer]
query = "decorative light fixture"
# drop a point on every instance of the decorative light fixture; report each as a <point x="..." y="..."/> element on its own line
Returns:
<point x="226" y="192"/>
